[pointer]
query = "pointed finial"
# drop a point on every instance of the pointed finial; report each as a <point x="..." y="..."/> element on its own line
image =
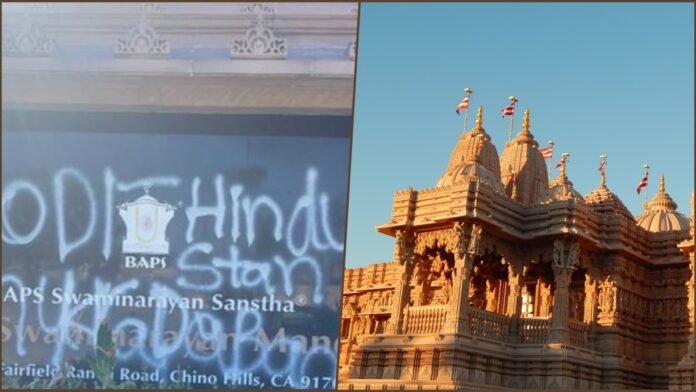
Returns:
<point x="661" y="189"/>
<point x="525" y="121"/>
<point x="564" y="161"/>
<point x="147" y="187"/>
<point x="479" y="118"/>
<point x="602" y="170"/>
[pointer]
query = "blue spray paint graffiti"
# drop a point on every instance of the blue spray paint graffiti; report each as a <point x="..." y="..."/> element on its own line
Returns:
<point x="247" y="270"/>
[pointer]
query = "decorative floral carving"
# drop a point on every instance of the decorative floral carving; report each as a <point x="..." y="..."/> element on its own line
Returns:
<point x="460" y="234"/>
<point x="565" y="255"/>
<point x="142" y="41"/>
<point x="259" y="42"/>
<point x="27" y="39"/>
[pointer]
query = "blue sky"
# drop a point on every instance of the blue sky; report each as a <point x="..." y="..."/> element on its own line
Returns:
<point x="613" y="79"/>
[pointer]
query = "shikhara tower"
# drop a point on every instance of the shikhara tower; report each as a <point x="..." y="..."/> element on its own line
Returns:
<point x="503" y="278"/>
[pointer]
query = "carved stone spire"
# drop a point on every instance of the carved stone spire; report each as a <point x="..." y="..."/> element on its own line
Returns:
<point x="525" y="136"/>
<point x="479" y="119"/>
<point x="661" y="188"/>
<point x="562" y="177"/>
<point x="662" y="200"/>
<point x="525" y="122"/>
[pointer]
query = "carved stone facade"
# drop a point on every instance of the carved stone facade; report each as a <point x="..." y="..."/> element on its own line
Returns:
<point x="538" y="288"/>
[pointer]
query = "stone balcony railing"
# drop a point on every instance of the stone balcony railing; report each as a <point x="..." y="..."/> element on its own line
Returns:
<point x="579" y="333"/>
<point x="425" y="319"/>
<point x="431" y="319"/>
<point x="488" y="324"/>
<point x="534" y="330"/>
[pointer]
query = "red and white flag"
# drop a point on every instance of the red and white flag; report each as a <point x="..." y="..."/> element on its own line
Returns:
<point x="464" y="104"/>
<point x="643" y="183"/>
<point x="509" y="110"/>
<point x="561" y="162"/>
<point x="601" y="167"/>
<point x="546" y="152"/>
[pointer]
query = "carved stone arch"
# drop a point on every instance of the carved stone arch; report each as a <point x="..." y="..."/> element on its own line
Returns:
<point x="434" y="239"/>
<point x="433" y="268"/>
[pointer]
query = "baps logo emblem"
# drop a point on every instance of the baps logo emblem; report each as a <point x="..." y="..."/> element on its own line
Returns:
<point x="146" y="219"/>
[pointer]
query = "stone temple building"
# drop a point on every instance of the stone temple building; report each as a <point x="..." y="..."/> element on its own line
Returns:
<point x="504" y="279"/>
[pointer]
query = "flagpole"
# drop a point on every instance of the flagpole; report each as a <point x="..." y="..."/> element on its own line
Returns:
<point x="647" y="168"/>
<point x="550" y="160"/>
<point x="512" y="118"/>
<point x="468" y="92"/>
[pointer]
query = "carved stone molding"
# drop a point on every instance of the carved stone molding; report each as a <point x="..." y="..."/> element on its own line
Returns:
<point x="27" y="39"/>
<point x="259" y="42"/>
<point x="142" y="41"/>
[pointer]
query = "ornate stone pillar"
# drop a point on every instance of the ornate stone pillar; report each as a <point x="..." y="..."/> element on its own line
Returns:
<point x="467" y="245"/>
<point x="403" y="251"/>
<point x="565" y="259"/>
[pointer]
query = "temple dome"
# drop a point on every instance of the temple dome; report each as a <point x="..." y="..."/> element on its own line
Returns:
<point x="661" y="213"/>
<point x="467" y="146"/>
<point x="604" y="201"/>
<point x="522" y="159"/>
<point x="469" y="171"/>
<point x="474" y="157"/>
<point x="560" y="189"/>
